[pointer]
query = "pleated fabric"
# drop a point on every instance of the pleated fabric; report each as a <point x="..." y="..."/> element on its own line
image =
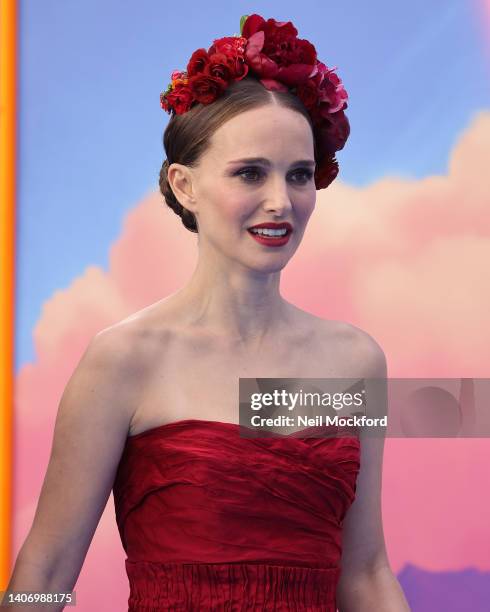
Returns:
<point x="210" y="520"/>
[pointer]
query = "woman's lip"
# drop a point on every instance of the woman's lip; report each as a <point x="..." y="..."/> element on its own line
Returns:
<point x="269" y="241"/>
<point x="285" y="225"/>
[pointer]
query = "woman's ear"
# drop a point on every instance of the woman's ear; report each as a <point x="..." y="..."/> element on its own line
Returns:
<point x="180" y="180"/>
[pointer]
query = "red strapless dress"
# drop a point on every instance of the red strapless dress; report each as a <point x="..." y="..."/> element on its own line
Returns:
<point x="210" y="520"/>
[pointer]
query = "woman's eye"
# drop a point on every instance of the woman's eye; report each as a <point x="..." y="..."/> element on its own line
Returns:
<point x="304" y="175"/>
<point x="254" y="174"/>
<point x="250" y="174"/>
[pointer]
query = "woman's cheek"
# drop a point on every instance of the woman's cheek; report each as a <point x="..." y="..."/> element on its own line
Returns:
<point x="309" y="205"/>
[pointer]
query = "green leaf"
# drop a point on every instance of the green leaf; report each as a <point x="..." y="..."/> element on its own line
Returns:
<point x="243" y="19"/>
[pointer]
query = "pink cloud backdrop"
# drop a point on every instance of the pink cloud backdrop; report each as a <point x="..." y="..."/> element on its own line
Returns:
<point x="405" y="260"/>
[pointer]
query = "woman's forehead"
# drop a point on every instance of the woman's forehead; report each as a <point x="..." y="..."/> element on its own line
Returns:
<point x="259" y="134"/>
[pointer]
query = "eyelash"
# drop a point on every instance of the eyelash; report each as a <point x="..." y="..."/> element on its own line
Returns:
<point x="308" y="174"/>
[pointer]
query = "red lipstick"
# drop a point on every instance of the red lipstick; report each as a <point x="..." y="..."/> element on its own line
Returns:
<point x="282" y="230"/>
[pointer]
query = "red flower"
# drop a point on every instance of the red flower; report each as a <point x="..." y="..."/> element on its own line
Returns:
<point x="226" y="67"/>
<point x="326" y="172"/>
<point x="255" y="22"/>
<point x="274" y="51"/>
<point x="230" y="45"/>
<point x="232" y="52"/>
<point x="332" y="91"/>
<point x="238" y="67"/>
<point x="206" y="88"/>
<point x="218" y="67"/>
<point x="308" y="93"/>
<point x="197" y="63"/>
<point x="262" y="65"/>
<point x="180" y="99"/>
<point x="330" y="88"/>
<point x="332" y="131"/>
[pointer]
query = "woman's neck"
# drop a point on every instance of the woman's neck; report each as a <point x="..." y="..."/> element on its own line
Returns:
<point x="245" y="307"/>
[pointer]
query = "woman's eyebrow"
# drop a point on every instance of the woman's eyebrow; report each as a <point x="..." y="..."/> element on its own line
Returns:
<point x="266" y="162"/>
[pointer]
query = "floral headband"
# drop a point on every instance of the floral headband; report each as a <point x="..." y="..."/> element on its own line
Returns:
<point x="272" y="52"/>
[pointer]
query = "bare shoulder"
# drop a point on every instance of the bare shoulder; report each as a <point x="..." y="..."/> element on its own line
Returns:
<point x="105" y="376"/>
<point x="126" y="351"/>
<point x="358" y="351"/>
<point x="365" y="350"/>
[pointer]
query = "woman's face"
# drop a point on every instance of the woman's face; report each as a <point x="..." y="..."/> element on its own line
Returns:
<point x="275" y="185"/>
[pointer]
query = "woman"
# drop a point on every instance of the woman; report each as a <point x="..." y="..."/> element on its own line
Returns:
<point x="210" y="520"/>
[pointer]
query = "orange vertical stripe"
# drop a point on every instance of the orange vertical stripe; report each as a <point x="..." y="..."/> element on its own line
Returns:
<point x="8" y="86"/>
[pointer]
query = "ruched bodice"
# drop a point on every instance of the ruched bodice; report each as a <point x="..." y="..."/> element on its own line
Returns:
<point x="211" y="520"/>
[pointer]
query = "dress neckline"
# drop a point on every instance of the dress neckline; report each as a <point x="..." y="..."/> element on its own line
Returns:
<point x="212" y="423"/>
<point x="158" y="428"/>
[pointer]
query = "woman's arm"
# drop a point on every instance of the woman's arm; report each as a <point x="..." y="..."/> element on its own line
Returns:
<point x="89" y="436"/>
<point x="375" y="591"/>
<point x="367" y="583"/>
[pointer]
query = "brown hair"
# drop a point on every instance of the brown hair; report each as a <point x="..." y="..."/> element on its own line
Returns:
<point x="187" y="136"/>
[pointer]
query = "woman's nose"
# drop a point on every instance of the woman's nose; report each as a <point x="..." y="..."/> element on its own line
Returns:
<point x="278" y="197"/>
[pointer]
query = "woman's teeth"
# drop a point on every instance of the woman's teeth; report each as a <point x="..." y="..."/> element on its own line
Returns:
<point x="269" y="232"/>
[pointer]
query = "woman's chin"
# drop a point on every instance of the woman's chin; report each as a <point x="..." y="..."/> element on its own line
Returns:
<point x="269" y="265"/>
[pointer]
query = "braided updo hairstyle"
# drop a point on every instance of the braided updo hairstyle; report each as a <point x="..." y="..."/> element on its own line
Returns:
<point x="188" y="218"/>
<point x="187" y="136"/>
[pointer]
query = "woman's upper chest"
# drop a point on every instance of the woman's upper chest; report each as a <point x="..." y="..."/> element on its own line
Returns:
<point x="197" y="376"/>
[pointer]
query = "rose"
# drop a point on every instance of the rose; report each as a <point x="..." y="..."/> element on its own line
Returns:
<point x="233" y="49"/>
<point x="197" y="63"/>
<point x="180" y="99"/>
<point x="226" y="67"/>
<point x="206" y="88"/>
<point x="224" y="59"/>
<point x="218" y="67"/>
<point x="238" y="67"/>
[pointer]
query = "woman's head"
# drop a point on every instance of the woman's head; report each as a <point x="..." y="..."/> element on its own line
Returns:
<point x="229" y="89"/>
<point x="214" y="191"/>
<point x="188" y="136"/>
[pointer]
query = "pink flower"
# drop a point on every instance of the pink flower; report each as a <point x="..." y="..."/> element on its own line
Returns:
<point x="330" y="87"/>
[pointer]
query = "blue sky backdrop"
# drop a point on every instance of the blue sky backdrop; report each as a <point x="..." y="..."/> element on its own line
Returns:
<point x="90" y="123"/>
